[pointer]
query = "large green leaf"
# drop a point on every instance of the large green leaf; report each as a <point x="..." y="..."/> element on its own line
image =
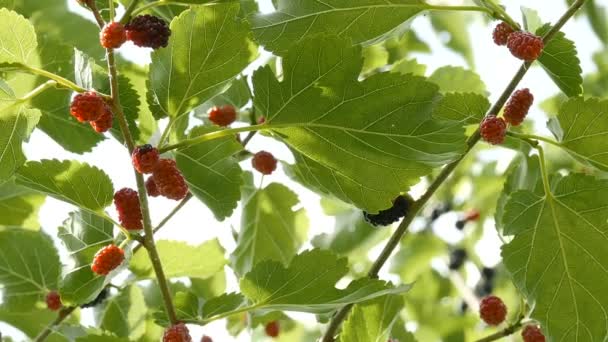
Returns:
<point x="70" y="181"/>
<point x="211" y="171"/>
<point x="181" y="260"/>
<point x="19" y="206"/>
<point x="16" y="124"/>
<point x="125" y="314"/>
<point x="209" y="46"/>
<point x="270" y="228"/>
<point x="457" y="79"/>
<point x="29" y="268"/>
<point x="363" y="142"/>
<point x="557" y="257"/>
<point x="17" y="38"/>
<point x="581" y="128"/>
<point x="308" y="284"/>
<point x="83" y="234"/>
<point x="465" y="108"/>
<point x="560" y="60"/>
<point x="356" y="20"/>
<point x="372" y="321"/>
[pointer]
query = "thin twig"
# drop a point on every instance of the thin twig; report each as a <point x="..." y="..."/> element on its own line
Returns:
<point x="443" y="175"/>
<point x="508" y="331"/>
<point x="61" y="316"/>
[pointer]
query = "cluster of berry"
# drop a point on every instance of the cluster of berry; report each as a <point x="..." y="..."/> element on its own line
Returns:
<point x="493" y="311"/>
<point x="525" y="46"/>
<point x="180" y="333"/>
<point x="166" y="179"/>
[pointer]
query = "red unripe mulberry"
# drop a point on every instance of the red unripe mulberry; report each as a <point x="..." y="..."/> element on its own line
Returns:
<point x="532" y="333"/>
<point x="129" y="211"/>
<point x="113" y="35"/>
<point x="53" y="301"/>
<point x="88" y="106"/>
<point x="525" y="45"/>
<point x="222" y="116"/>
<point x="492" y="310"/>
<point x="107" y="259"/>
<point x="151" y="187"/>
<point x="518" y="106"/>
<point x="272" y="329"/>
<point x="177" y="333"/>
<point x="169" y="180"/>
<point x="145" y="158"/>
<point x="501" y="33"/>
<point x="104" y="123"/>
<point x="493" y="129"/>
<point x="264" y="162"/>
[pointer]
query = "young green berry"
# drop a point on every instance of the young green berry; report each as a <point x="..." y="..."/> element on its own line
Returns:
<point x="518" y="106"/>
<point x="169" y="180"/>
<point x="264" y="162"/>
<point x="113" y="35"/>
<point x="53" y="301"/>
<point x="88" y="106"/>
<point x="272" y="329"/>
<point x="492" y="310"/>
<point x="177" y="333"/>
<point x="501" y="33"/>
<point x="222" y="116"/>
<point x="525" y="45"/>
<point x="145" y="158"/>
<point x="151" y="187"/>
<point x="148" y="31"/>
<point x="129" y="211"/>
<point x="493" y="129"/>
<point x="388" y="216"/>
<point x="107" y="259"/>
<point x="104" y="123"/>
<point x="532" y="333"/>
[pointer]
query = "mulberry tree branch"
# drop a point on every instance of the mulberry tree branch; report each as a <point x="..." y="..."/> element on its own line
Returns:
<point x="444" y="174"/>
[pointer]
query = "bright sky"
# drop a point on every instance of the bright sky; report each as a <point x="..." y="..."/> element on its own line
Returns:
<point x="196" y="224"/>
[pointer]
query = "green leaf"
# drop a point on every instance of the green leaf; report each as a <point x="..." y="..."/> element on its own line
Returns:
<point x="560" y="61"/>
<point x="69" y="181"/>
<point x="401" y="47"/>
<point x="270" y="228"/>
<point x="373" y="320"/>
<point x="186" y="74"/>
<point x="455" y="23"/>
<point x="17" y="38"/>
<point x="532" y="20"/>
<point x="101" y="337"/>
<point x="19" y="206"/>
<point x="415" y="255"/>
<point x="355" y="20"/>
<point x="29" y="268"/>
<point x="125" y="314"/>
<point x="409" y="66"/>
<point x="464" y="108"/>
<point x="181" y="260"/>
<point x="556" y="257"/>
<point x="83" y="69"/>
<point x="351" y="231"/>
<point x="212" y="172"/>
<point x="226" y="302"/>
<point x="457" y="79"/>
<point x="16" y="125"/>
<point x="7" y="95"/>
<point x="308" y="284"/>
<point x="382" y="126"/>
<point x="596" y="14"/>
<point x="83" y="234"/>
<point x="186" y="306"/>
<point x="581" y="128"/>
<point x="210" y="287"/>
<point x="146" y="123"/>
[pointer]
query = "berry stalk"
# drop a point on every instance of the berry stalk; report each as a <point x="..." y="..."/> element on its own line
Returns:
<point x="510" y="330"/>
<point x="444" y="174"/>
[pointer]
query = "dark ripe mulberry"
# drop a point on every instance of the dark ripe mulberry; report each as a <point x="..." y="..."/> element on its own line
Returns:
<point x="101" y="297"/>
<point x="518" y="106"/>
<point x="113" y="35"/>
<point x="107" y="259"/>
<point x="145" y="158"/>
<point x="501" y="33"/>
<point x="264" y="162"/>
<point x="222" y="116"/>
<point x="148" y="31"/>
<point x="151" y="187"/>
<point x="129" y="211"/>
<point x="104" y="123"/>
<point x="493" y="129"/>
<point x="457" y="258"/>
<point x="532" y="333"/>
<point x="177" y="333"/>
<point x="525" y="45"/>
<point x="393" y="214"/>
<point x="88" y="106"/>
<point x="206" y="338"/>
<point x="169" y="180"/>
<point x="492" y="310"/>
